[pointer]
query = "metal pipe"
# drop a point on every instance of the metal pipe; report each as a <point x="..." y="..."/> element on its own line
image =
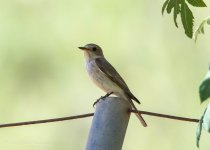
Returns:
<point x="109" y="124"/>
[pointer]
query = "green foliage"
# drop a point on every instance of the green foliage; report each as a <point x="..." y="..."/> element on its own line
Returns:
<point x="204" y="89"/>
<point x="208" y="21"/>
<point x="181" y="7"/>
<point x="172" y="4"/>
<point x="200" y="29"/>
<point x="164" y="6"/>
<point x="187" y="19"/>
<point x="199" y="130"/>
<point x="203" y="123"/>
<point x="197" y="3"/>
<point x="206" y="119"/>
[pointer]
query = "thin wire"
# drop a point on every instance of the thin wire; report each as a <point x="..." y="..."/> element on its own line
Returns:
<point x="45" y="120"/>
<point x="166" y="116"/>
<point x="91" y="114"/>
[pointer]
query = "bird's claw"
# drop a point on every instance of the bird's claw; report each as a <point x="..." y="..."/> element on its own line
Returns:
<point x="102" y="98"/>
<point x="96" y="102"/>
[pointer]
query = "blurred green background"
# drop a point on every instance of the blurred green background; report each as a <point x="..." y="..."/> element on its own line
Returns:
<point x="43" y="76"/>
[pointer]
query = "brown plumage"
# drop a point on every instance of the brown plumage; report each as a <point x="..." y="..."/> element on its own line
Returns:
<point x="104" y="75"/>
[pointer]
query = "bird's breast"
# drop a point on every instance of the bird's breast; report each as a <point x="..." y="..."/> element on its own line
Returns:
<point x="100" y="78"/>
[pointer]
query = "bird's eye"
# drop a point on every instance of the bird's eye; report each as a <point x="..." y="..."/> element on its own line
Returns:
<point x="94" y="48"/>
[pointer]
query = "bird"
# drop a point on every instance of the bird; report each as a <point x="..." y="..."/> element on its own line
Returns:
<point x="106" y="77"/>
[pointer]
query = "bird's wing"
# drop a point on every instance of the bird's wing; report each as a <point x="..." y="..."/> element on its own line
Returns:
<point x="113" y="75"/>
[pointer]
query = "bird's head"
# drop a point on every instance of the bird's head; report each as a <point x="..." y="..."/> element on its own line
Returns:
<point x="92" y="51"/>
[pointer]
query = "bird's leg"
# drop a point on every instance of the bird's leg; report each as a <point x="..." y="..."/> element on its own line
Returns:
<point x="102" y="97"/>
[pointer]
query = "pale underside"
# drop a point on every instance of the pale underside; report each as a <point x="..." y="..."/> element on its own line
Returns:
<point x="102" y="81"/>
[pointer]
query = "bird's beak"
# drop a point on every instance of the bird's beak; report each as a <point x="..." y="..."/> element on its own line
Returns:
<point x="83" y="48"/>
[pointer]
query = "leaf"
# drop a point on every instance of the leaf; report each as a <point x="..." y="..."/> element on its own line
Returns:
<point x="187" y="19"/>
<point x="164" y="6"/>
<point x="204" y="89"/>
<point x="200" y="29"/>
<point x="208" y="21"/>
<point x="206" y="119"/>
<point x="197" y="3"/>
<point x="171" y="4"/>
<point x="176" y="11"/>
<point x="199" y="129"/>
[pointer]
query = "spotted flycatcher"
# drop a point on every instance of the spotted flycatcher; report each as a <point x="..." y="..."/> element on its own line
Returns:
<point x="104" y="75"/>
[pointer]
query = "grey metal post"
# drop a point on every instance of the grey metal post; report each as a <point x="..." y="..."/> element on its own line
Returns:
<point x="109" y="124"/>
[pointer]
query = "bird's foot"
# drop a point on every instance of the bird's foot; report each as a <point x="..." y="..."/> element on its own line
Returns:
<point x="102" y="98"/>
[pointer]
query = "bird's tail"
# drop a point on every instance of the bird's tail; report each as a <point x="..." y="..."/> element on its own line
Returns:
<point x="138" y="114"/>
